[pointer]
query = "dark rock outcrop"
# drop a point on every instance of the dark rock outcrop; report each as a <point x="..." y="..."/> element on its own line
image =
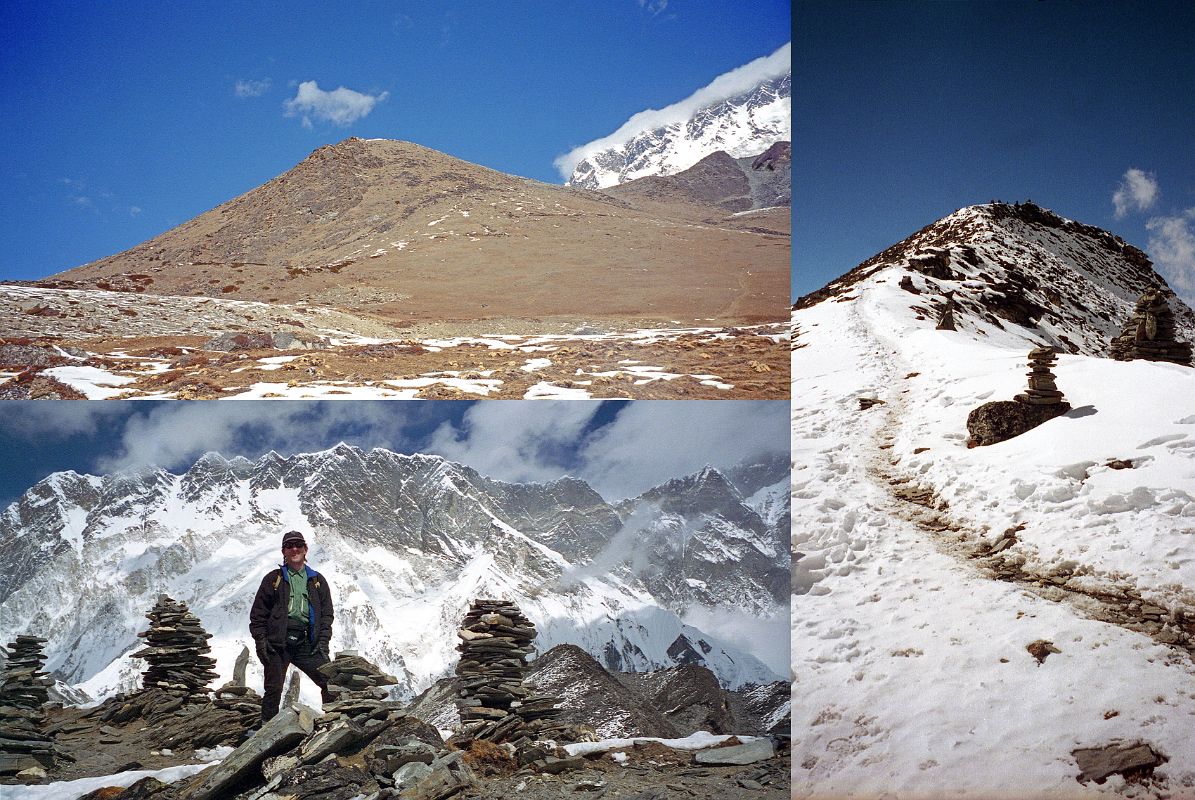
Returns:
<point x="1001" y="420"/>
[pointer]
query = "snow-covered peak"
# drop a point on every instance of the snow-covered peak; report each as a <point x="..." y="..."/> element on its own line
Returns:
<point x="744" y="125"/>
<point x="1018" y="274"/>
<point x="399" y="537"/>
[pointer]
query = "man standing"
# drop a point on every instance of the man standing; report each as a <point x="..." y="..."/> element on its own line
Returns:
<point x="291" y="622"/>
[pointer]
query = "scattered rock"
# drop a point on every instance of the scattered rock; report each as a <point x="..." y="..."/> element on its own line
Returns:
<point x="234" y="342"/>
<point x="1040" y="649"/>
<point x="284" y="731"/>
<point x="1097" y="763"/>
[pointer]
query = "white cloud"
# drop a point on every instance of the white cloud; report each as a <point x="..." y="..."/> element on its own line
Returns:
<point x="652" y="442"/>
<point x="515" y="442"/>
<point x="340" y="106"/>
<point x="647" y="444"/>
<point x="728" y="85"/>
<point x="134" y="211"/>
<point x="252" y="88"/>
<point x="39" y="420"/>
<point x="653" y="7"/>
<point x="1172" y="245"/>
<point x="173" y="435"/>
<point x="1138" y="191"/>
<point x="766" y="638"/>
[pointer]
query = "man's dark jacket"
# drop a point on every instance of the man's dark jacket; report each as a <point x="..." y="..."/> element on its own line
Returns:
<point x="267" y="618"/>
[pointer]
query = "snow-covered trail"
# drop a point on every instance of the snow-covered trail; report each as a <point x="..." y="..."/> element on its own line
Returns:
<point x="911" y="673"/>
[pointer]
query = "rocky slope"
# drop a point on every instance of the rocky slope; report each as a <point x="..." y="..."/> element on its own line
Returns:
<point x="757" y="181"/>
<point x="1016" y="267"/>
<point x="744" y="125"/>
<point x="408" y="234"/>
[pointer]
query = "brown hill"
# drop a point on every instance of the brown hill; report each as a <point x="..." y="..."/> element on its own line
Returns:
<point x="410" y="235"/>
<point x="719" y="180"/>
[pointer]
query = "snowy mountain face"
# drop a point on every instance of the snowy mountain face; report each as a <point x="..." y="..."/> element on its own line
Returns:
<point x="1016" y="272"/>
<point x="928" y="574"/>
<point x="744" y="125"/>
<point x="405" y="542"/>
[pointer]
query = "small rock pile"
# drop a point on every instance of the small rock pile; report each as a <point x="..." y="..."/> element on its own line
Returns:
<point x="238" y="698"/>
<point x="23" y="743"/>
<point x="1042" y="390"/>
<point x="1001" y="420"/>
<point x="946" y="317"/>
<point x="176" y="649"/>
<point x="1149" y="333"/>
<point x="359" y="687"/>
<point x="493" y="702"/>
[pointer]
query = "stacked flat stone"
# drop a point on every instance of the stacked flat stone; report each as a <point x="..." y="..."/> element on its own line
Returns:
<point x="495" y="640"/>
<point x="946" y="316"/>
<point x="359" y="688"/>
<point x="1042" y="390"/>
<point x="235" y="696"/>
<point x="23" y="743"/>
<point x="1149" y="333"/>
<point x="176" y="649"/>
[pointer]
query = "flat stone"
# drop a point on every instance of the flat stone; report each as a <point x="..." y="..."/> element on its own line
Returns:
<point x="748" y="753"/>
<point x="281" y="733"/>
<point x="1097" y="763"/>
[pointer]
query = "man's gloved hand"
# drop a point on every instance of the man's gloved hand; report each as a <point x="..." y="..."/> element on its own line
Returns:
<point x="263" y="650"/>
<point x="321" y="647"/>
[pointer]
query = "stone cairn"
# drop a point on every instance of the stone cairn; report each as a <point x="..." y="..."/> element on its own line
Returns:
<point x="493" y="702"/>
<point x="1149" y="333"/>
<point x="946" y="316"/>
<point x="23" y="742"/>
<point x="359" y="689"/>
<point x="238" y="698"/>
<point x="176" y="649"/>
<point x="1042" y="390"/>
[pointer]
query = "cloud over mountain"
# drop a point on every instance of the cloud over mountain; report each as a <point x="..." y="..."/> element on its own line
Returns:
<point x="340" y="106"/>
<point x="723" y="87"/>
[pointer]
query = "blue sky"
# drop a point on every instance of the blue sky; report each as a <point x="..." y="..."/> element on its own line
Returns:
<point x="121" y="120"/>
<point x="904" y="112"/>
<point x="621" y="447"/>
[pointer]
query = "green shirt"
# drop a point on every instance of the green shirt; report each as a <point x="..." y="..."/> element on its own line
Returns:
<point x="297" y="610"/>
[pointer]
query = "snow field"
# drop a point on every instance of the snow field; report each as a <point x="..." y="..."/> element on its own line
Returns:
<point x="911" y="677"/>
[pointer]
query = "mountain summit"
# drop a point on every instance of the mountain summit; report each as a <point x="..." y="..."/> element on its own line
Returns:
<point x="1016" y="269"/>
<point x="409" y="234"/>
<point x="743" y="125"/>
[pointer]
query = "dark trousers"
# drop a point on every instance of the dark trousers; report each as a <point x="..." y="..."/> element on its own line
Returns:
<point x="300" y="652"/>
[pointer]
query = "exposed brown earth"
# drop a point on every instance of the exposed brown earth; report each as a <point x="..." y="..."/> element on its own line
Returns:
<point x="408" y="234"/>
<point x="375" y="252"/>
<point x="163" y="350"/>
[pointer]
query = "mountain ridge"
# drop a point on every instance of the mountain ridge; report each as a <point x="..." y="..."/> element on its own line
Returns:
<point x="1017" y="266"/>
<point x="391" y="531"/>
<point x="742" y="125"/>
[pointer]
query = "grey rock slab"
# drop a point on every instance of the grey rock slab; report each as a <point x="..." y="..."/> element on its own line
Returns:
<point x="339" y="736"/>
<point x="1097" y="763"/>
<point x="738" y="754"/>
<point x="281" y="733"/>
<point x="411" y="774"/>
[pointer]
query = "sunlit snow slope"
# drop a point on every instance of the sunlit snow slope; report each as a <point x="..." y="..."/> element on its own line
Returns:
<point x="912" y="677"/>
